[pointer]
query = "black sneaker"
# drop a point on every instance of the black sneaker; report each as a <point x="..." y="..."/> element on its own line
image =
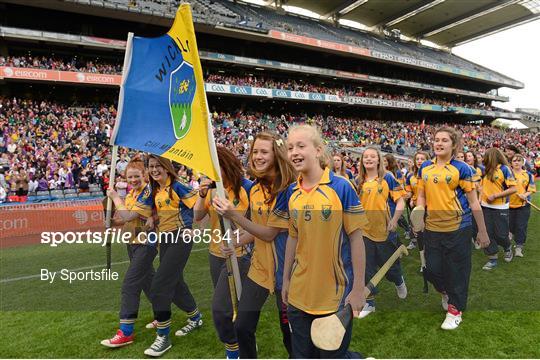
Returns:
<point x="159" y="347"/>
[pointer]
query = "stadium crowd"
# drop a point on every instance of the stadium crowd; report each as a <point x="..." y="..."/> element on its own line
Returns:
<point x="96" y="65"/>
<point x="47" y="145"/>
<point x="321" y="87"/>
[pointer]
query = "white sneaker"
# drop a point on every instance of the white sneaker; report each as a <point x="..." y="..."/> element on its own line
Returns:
<point x="476" y="245"/>
<point x="519" y="252"/>
<point x="160" y="346"/>
<point x="411" y="245"/>
<point x="451" y="322"/>
<point x="152" y="325"/>
<point x="191" y="325"/>
<point x="368" y="308"/>
<point x="444" y="302"/>
<point x="508" y="255"/>
<point x="401" y="290"/>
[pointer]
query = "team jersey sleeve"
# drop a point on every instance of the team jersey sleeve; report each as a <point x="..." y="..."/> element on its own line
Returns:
<point x="420" y="184"/>
<point x="408" y="187"/>
<point x="354" y="217"/>
<point x="509" y="178"/>
<point x="186" y="194"/>
<point x="247" y="185"/>
<point x="466" y="178"/>
<point x="143" y="204"/>
<point x="279" y="216"/>
<point x="396" y="190"/>
<point x="532" y="186"/>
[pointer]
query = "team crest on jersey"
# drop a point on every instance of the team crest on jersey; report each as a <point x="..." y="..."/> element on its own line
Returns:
<point x="448" y="179"/>
<point x="181" y="94"/>
<point x="426" y="178"/>
<point x="380" y="189"/>
<point x="326" y="212"/>
<point x="236" y="202"/>
<point x="295" y="214"/>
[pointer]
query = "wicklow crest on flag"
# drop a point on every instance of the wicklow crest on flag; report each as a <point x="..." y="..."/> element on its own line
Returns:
<point x="181" y="95"/>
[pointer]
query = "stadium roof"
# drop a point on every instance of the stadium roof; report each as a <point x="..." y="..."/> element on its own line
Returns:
<point x="443" y="22"/>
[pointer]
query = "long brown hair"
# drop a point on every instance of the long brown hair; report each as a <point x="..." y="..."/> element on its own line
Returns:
<point x="282" y="173"/>
<point x="392" y="164"/>
<point x="493" y="157"/>
<point x="342" y="170"/>
<point x="415" y="167"/>
<point x="231" y="169"/>
<point x="169" y="169"/>
<point x="362" y="172"/>
<point x="475" y="160"/>
<point x="455" y="136"/>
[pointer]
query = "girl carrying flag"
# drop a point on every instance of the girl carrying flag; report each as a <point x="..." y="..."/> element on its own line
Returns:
<point x="273" y="173"/>
<point x="324" y="258"/>
<point x="132" y="213"/>
<point x="497" y="186"/>
<point x="520" y="210"/>
<point x="174" y="203"/>
<point x="237" y="190"/>
<point x="446" y="191"/>
<point x="382" y="198"/>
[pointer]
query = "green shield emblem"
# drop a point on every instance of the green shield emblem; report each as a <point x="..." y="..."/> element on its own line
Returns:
<point x="181" y="94"/>
<point x="326" y="212"/>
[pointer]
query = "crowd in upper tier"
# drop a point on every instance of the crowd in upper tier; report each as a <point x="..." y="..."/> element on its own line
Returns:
<point x="47" y="145"/>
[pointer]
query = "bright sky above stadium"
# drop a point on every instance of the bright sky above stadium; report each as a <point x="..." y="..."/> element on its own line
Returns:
<point x="510" y="52"/>
<point x="513" y="53"/>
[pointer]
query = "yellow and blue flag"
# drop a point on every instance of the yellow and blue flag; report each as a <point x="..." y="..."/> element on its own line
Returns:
<point x="162" y="105"/>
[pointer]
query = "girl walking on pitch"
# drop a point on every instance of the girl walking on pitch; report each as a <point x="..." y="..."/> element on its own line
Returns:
<point x="520" y="210"/>
<point x="382" y="198"/>
<point x="324" y="258"/>
<point x="273" y="173"/>
<point x="132" y="213"/>
<point x="174" y="204"/>
<point x="237" y="190"/>
<point x="497" y="186"/>
<point x="446" y="190"/>
<point x="411" y="186"/>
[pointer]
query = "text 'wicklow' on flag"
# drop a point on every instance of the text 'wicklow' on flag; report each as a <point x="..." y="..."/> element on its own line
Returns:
<point x="162" y="105"/>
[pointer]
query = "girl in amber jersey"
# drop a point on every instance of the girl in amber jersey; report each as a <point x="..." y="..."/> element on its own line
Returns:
<point x="273" y="173"/>
<point x="497" y="186"/>
<point x="411" y="186"/>
<point x="520" y="210"/>
<point x="237" y="190"/>
<point x="132" y="214"/>
<point x="382" y="199"/>
<point x="446" y="190"/>
<point x="325" y="244"/>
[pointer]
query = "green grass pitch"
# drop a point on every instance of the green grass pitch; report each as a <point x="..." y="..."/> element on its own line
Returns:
<point x="41" y="320"/>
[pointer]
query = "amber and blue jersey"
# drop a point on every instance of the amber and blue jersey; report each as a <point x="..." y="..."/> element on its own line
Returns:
<point x="502" y="180"/>
<point x="378" y="198"/>
<point x="240" y="204"/>
<point x="321" y="218"/>
<point x="268" y="257"/>
<point x="524" y="183"/>
<point x="445" y="187"/>
<point x="174" y="204"/>
<point x="411" y="185"/>
<point x="140" y="202"/>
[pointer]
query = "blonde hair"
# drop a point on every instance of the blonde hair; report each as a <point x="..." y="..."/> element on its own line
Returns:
<point x="362" y="172"/>
<point x="316" y="137"/>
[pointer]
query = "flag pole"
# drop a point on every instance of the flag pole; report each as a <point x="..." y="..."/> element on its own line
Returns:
<point x="114" y="158"/>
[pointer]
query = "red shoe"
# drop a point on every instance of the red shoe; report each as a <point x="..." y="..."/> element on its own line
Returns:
<point x="118" y="340"/>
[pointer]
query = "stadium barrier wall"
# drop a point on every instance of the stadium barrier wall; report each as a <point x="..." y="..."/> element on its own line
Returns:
<point x="62" y="76"/>
<point x="23" y="224"/>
